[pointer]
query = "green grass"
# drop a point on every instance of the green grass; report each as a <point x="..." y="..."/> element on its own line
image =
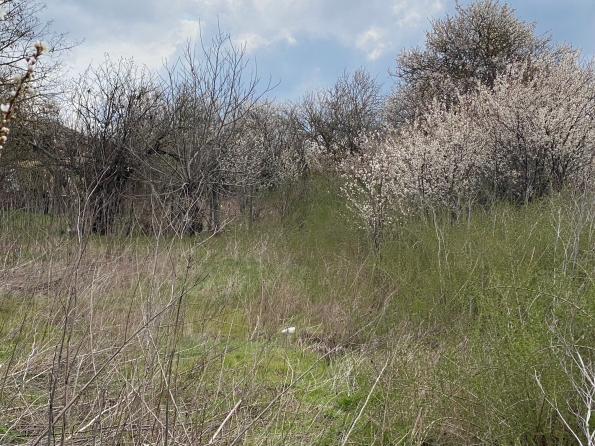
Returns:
<point x="435" y="338"/>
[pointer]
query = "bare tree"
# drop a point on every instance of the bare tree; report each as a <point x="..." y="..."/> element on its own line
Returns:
<point x="24" y="36"/>
<point x="280" y="162"/>
<point x="19" y="30"/>
<point x="210" y="97"/>
<point x="107" y="128"/>
<point x="335" y="118"/>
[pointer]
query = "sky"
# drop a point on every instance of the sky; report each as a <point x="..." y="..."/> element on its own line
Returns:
<point x="297" y="45"/>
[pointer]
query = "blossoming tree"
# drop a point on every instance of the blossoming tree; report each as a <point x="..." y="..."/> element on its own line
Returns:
<point x="530" y="133"/>
<point x="461" y="52"/>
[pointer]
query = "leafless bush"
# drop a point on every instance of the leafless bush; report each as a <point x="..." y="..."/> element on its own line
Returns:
<point x="209" y="151"/>
<point x="335" y="119"/>
<point x="95" y="148"/>
<point x="576" y="412"/>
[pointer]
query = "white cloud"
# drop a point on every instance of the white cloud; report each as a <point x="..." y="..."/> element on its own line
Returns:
<point x="372" y="42"/>
<point x="147" y="40"/>
<point x="411" y="14"/>
<point x="252" y="41"/>
<point x="259" y="23"/>
<point x="352" y="23"/>
<point x="294" y="37"/>
<point x="152" y="31"/>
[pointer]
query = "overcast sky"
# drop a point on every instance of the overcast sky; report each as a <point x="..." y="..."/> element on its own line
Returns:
<point x="303" y="44"/>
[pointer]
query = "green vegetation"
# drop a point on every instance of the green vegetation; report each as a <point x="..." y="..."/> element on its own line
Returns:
<point x="185" y="261"/>
<point x="453" y="332"/>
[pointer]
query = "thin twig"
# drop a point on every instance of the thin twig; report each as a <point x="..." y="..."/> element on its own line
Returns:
<point x="359" y="415"/>
<point x="105" y="364"/>
<point x="224" y="421"/>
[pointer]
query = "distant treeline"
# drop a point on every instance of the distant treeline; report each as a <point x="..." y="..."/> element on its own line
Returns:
<point x="486" y="110"/>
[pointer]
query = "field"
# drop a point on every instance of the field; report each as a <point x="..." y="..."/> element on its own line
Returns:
<point x="476" y="331"/>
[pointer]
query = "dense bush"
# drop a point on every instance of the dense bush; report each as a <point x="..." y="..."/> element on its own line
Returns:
<point x="530" y="133"/>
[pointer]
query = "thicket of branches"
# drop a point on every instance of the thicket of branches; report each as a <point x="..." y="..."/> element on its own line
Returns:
<point x="486" y="110"/>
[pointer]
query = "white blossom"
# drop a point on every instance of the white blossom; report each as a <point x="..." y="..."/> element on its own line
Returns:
<point x="530" y="133"/>
<point x="42" y="47"/>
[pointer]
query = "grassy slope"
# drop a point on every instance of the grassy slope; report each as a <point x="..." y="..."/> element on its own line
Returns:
<point x="436" y="338"/>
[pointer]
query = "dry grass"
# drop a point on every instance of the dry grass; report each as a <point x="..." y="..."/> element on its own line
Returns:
<point x="129" y="344"/>
<point x="434" y="340"/>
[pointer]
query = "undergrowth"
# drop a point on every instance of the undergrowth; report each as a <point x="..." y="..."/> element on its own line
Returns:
<point x="452" y="332"/>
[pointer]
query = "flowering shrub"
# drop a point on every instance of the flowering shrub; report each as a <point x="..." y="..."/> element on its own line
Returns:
<point x="461" y="52"/>
<point x="435" y="162"/>
<point x="371" y="186"/>
<point x="538" y="123"/>
<point x="20" y="84"/>
<point x="529" y="134"/>
<point x="441" y="157"/>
